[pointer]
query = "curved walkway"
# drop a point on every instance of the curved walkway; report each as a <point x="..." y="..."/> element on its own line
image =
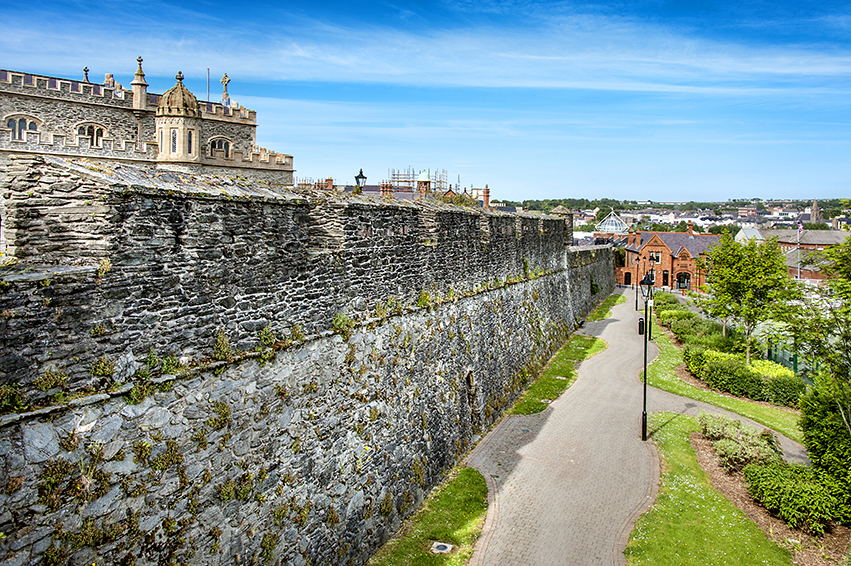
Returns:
<point x="567" y="484"/>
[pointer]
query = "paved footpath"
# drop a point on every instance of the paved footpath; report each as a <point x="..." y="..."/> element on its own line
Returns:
<point x="567" y="484"/>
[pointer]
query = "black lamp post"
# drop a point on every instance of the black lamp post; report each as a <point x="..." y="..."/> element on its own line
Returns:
<point x="649" y="299"/>
<point x="635" y="281"/>
<point x="646" y="289"/>
<point x="360" y="179"/>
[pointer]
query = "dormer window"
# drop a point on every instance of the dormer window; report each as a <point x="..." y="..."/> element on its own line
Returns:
<point x="221" y="145"/>
<point x="94" y="132"/>
<point x="21" y="124"/>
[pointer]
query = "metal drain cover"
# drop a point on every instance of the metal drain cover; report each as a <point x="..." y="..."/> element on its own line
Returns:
<point x="441" y="548"/>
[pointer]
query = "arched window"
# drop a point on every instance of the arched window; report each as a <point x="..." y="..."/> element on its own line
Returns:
<point x="94" y="132"/>
<point x="174" y="141"/>
<point x="21" y="124"/>
<point x="220" y="144"/>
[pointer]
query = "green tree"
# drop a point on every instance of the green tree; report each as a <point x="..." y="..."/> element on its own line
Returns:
<point x="746" y="283"/>
<point x="821" y="325"/>
<point x="719" y="229"/>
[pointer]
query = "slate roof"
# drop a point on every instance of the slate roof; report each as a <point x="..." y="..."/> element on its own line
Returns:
<point x="676" y="241"/>
<point x="808" y="237"/>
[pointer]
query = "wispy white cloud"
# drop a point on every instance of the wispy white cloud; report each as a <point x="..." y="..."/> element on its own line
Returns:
<point x="570" y="51"/>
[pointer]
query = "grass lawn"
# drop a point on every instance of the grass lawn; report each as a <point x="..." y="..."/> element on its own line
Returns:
<point x="661" y="374"/>
<point x="691" y="523"/>
<point x="604" y="311"/>
<point x="559" y="374"/>
<point x="453" y="513"/>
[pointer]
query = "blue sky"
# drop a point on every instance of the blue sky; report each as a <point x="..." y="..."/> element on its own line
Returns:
<point x="659" y="100"/>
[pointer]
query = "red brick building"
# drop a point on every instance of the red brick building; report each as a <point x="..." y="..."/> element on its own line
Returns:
<point x="674" y="256"/>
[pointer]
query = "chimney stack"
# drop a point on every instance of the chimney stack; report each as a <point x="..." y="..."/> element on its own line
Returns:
<point x="690" y="229"/>
<point x="385" y="189"/>
<point x="329" y="184"/>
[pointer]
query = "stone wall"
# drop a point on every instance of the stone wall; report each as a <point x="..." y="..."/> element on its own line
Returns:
<point x="271" y="433"/>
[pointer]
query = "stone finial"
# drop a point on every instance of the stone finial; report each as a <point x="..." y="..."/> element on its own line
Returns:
<point x="85" y="74"/>
<point x="139" y="79"/>
<point x="179" y="76"/>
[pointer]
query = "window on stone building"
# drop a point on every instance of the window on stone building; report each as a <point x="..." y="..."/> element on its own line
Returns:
<point x="174" y="141"/>
<point x="94" y="132"/>
<point x="20" y="125"/>
<point x="220" y="145"/>
<point x="189" y="142"/>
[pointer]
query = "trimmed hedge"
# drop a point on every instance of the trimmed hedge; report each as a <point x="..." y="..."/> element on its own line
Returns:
<point x="761" y="381"/>
<point x="693" y="355"/>
<point x="793" y="493"/>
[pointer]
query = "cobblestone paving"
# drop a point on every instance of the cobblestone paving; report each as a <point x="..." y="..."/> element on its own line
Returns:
<point x="567" y="484"/>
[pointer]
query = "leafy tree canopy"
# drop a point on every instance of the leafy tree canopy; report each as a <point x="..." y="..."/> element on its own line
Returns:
<point x="745" y="282"/>
<point x="821" y="325"/>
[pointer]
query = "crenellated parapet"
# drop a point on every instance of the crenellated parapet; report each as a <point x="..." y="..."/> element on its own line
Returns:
<point x="13" y="82"/>
<point x="261" y="158"/>
<point x="48" y="143"/>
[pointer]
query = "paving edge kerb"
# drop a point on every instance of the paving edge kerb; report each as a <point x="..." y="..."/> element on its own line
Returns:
<point x="622" y="539"/>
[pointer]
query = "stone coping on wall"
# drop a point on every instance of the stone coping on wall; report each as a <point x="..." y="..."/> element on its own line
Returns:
<point x="122" y="176"/>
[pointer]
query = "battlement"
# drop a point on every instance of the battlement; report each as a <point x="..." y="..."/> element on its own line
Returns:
<point x="237" y="113"/>
<point x="81" y="91"/>
<point x="64" y="89"/>
<point x="60" y="144"/>
<point x="261" y="158"/>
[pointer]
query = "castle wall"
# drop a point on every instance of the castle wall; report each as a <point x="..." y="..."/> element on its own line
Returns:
<point x="309" y="447"/>
<point x="60" y="106"/>
<point x="241" y="136"/>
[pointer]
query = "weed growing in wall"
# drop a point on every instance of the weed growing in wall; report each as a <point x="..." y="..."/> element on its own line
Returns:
<point x="222" y="417"/>
<point x="222" y="350"/>
<point x="267" y="337"/>
<point x="103" y="367"/>
<point x="50" y="379"/>
<point x="104" y="267"/>
<point x="343" y="325"/>
<point x="297" y="333"/>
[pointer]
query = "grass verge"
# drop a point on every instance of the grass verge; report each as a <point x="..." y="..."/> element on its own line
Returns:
<point x="559" y="374"/>
<point x="661" y="374"/>
<point x="604" y="311"/>
<point x="453" y="513"/>
<point x="691" y="523"/>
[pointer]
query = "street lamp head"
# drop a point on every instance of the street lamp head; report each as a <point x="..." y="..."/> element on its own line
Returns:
<point x="645" y="285"/>
<point x="360" y="179"/>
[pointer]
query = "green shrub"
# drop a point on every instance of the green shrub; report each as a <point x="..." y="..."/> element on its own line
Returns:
<point x="760" y="381"/>
<point x="666" y="299"/>
<point x="729" y="374"/>
<point x="686" y="328"/>
<point x="667" y="317"/>
<point x="793" y="493"/>
<point x="828" y="441"/>
<point x="784" y="390"/>
<point x="727" y="344"/>
<point x="693" y="355"/>
<point x="738" y="445"/>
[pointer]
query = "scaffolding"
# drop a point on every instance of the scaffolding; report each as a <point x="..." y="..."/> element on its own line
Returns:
<point x="406" y="179"/>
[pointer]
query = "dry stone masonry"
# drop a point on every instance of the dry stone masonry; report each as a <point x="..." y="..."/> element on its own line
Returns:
<point x="198" y="369"/>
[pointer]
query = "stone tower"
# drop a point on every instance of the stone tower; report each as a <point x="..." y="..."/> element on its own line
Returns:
<point x="178" y="123"/>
